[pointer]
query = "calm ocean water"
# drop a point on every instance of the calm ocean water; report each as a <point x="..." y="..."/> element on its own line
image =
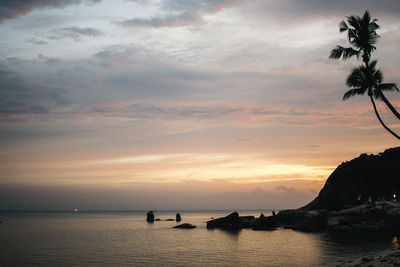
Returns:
<point x="125" y="238"/>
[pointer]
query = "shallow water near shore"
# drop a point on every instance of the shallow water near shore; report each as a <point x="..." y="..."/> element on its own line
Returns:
<point x="125" y="238"/>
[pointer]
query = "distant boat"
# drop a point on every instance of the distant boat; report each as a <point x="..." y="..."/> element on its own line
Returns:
<point x="75" y="210"/>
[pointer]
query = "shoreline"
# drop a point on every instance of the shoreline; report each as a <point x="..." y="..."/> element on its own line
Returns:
<point x="388" y="257"/>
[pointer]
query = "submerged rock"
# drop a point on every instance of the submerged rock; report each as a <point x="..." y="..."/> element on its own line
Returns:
<point x="150" y="216"/>
<point x="169" y="220"/>
<point x="185" y="226"/>
<point x="178" y="217"/>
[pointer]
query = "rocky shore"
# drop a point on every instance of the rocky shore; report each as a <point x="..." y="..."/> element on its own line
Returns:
<point x="387" y="258"/>
<point x="360" y="195"/>
<point x="381" y="215"/>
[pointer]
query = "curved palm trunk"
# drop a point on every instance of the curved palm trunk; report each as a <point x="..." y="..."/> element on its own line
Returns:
<point x="395" y="112"/>
<point x="380" y="120"/>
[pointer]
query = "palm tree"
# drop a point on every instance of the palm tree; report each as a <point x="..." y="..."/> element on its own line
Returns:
<point x="368" y="79"/>
<point x="362" y="36"/>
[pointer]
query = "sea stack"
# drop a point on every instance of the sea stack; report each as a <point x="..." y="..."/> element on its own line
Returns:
<point x="178" y="217"/>
<point x="150" y="216"/>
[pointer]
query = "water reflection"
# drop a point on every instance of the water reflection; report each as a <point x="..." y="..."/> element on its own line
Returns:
<point x="235" y="232"/>
<point x="353" y="245"/>
<point x="232" y="234"/>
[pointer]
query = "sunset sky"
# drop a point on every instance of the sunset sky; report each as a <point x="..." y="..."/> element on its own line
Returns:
<point x="182" y="104"/>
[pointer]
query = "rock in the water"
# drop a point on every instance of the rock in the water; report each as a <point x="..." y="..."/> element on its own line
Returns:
<point x="169" y="220"/>
<point x="150" y="216"/>
<point x="230" y="222"/>
<point x="263" y="223"/>
<point x="185" y="226"/>
<point x="287" y="218"/>
<point x="178" y="217"/>
<point x="312" y="221"/>
<point x="158" y="219"/>
<point x="245" y="221"/>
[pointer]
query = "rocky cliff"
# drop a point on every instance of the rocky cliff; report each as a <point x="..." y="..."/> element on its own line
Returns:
<point x="367" y="178"/>
<point x="360" y="195"/>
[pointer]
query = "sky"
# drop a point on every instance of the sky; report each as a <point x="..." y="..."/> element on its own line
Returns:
<point x="182" y="104"/>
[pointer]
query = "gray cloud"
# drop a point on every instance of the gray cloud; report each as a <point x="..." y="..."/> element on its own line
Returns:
<point x="74" y="33"/>
<point x="231" y="115"/>
<point x="169" y="21"/>
<point x="36" y="41"/>
<point x="10" y="9"/>
<point x="179" y="112"/>
<point x="311" y="9"/>
<point x="177" y="13"/>
<point x="22" y="96"/>
<point x="181" y="13"/>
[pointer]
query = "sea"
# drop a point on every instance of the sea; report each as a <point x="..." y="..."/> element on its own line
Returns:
<point x="124" y="238"/>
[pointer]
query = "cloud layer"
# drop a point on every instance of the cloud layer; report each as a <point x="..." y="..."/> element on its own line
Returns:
<point x="10" y="9"/>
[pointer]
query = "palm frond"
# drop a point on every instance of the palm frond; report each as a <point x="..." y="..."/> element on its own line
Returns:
<point x="366" y="17"/>
<point x="353" y="92"/>
<point x="337" y="52"/>
<point x="373" y="26"/>
<point x="356" y="78"/>
<point x="376" y="95"/>
<point x="361" y="32"/>
<point x="351" y="35"/>
<point x="349" y="52"/>
<point x="388" y="87"/>
<point x="377" y="76"/>
<point x="372" y="64"/>
<point x="343" y="26"/>
<point x="346" y="52"/>
<point x="354" y="21"/>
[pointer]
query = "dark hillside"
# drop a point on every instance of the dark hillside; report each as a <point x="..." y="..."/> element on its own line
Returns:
<point x="366" y="178"/>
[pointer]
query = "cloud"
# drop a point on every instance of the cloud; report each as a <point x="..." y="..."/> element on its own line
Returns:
<point x="36" y="41"/>
<point x="180" y="13"/>
<point x="286" y="189"/>
<point x="237" y="115"/>
<point x="10" y="9"/>
<point x="158" y="92"/>
<point x="150" y="89"/>
<point x="314" y="9"/>
<point x="19" y="96"/>
<point x="74" y="33"/>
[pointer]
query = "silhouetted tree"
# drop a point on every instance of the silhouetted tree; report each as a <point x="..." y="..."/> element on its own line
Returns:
<point x="362" y="36"/>
<point x="368" y="79"/>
